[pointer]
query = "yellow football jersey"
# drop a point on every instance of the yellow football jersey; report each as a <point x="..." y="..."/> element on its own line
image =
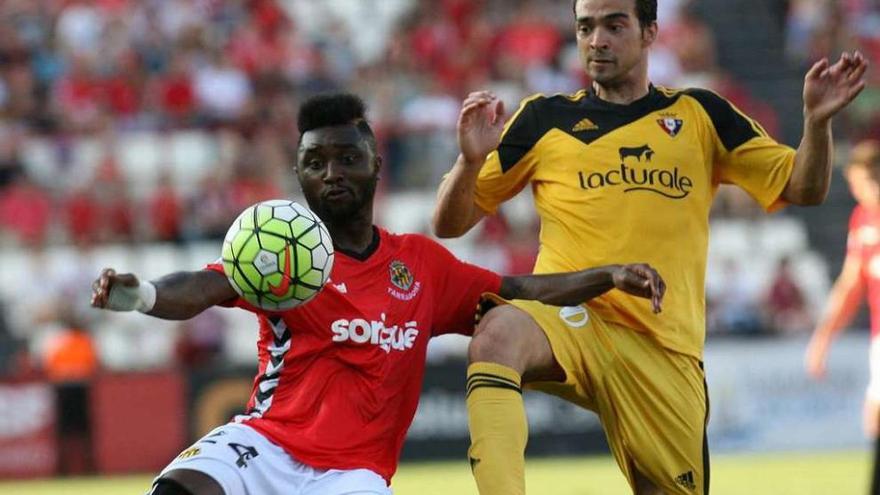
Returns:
<point x="634" y="184"/>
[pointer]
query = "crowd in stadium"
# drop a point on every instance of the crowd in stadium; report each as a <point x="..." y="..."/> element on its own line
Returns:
<point x="79" y="77"/>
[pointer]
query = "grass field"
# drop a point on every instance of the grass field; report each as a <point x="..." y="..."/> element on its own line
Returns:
<point x="777" y="474"/>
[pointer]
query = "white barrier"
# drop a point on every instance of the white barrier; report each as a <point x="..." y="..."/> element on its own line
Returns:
<point x="762" y="399"/>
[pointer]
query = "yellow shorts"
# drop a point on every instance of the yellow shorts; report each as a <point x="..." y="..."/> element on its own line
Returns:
<point x="652" y="402"/>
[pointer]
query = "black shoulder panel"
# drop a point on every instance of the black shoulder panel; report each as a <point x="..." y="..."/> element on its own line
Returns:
<point x="521" y="136"/>
<point x="732" y="127"/>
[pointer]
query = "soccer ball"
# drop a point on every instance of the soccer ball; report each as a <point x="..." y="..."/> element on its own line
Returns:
<point x="277" y="254"/>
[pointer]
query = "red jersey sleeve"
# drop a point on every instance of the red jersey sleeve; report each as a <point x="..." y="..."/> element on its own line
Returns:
<point x="458" y="287"/>
<point x="238" y="302"/>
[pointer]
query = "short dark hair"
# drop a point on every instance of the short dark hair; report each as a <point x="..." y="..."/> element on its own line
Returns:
<point x="646" y="11"/>
<point x="333" y="109"/>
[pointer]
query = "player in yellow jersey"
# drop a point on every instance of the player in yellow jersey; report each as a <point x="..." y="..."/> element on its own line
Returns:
<point x="626" y="171"/>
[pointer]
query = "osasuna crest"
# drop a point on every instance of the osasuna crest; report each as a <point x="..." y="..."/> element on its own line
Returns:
<point x="670" y="125"/>
<point x="401" y="277"/>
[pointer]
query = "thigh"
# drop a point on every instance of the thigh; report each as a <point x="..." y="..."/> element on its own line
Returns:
<point x="510" y="336"/>
<point x="871" y="415"/>
<point x="567" y="333"/>
<point x="240" y="460"/>
<point x="186" y="482"/>
<point x="654" y="406"/>
<point x="346" y="482"/>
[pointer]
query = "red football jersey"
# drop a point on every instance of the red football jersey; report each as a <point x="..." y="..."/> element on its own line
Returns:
<point x="339" y="377"/>
<point x="863" y="242"/>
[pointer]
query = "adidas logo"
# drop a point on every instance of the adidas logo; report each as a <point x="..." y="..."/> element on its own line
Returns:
<point x="584" y="125"/>
<point x="686" y="480"/>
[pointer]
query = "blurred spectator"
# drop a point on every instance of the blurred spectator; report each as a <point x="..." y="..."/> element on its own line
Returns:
<point x="78" y="95"/>
<point x="785" y="305"/>
<point x="25" y="210"/>
<point x="211" y="210"/>
<point x="529" y="39"/>
<point x="733" y="304"/>
<point x="124" y="87"/>
<point x="251" y="182"/>
<point x="118" y="222"/>
<point x="70" y="361"/>
<point x="200" y="340"/>
<point x="79" y="27"/>
<point x="83" y="215"/>
<point x="429" y="121"/>
<point x="176" y="95"/>
<point x="491" y="245"/>
<point x="222" y="90"/>
<point x="10" y="156"/>
<point x="11" y="346"/>
<point x="70" y="355"/>
<point x="166" y="210"/>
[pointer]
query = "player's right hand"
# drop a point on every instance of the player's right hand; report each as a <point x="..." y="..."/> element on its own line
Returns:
<point x="640" y="279"/>
<point x="480" y="124"/>
<point x="104" y="284"/>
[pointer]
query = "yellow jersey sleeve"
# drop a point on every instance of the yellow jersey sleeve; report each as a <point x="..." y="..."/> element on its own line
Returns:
<point x="744" y="154"/>
<point x="510" y="167"/>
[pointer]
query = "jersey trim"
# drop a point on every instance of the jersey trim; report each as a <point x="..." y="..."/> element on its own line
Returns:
<point x="267" y="383"/>
<point x="366" y="253"/>
<point x="609" y="116"/>
<point x="521" y="134"/>
<point x="733" y="127"/>
<point x="583" y="116"/>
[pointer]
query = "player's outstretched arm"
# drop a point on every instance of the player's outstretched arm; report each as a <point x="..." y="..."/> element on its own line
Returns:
<point x="827" y="90"/>
<point x="569" y="289"/>
<point x="177" y="296"/>
<point x="844" y="300"/>
<point x="480" y="124"/>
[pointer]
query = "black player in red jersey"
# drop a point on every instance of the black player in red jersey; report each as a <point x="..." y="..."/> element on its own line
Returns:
<point x="339" y="377"/>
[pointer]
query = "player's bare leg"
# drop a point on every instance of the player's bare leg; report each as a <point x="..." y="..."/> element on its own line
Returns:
<point x="509" y="336"/>
<point x="644" y="486"/>
<point x="872" y="426"/>
<point x="187" y="482"/>
<point x="871" y="417"/>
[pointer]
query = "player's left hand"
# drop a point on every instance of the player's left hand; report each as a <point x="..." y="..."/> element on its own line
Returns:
<point x="640" y="279"/>
<point x="828" y="88"/>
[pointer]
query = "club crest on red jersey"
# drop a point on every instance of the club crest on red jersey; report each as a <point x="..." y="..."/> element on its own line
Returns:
<point x="401" y="277"/>
<point x="406" y="287"/>
<point x="670" y="125"/>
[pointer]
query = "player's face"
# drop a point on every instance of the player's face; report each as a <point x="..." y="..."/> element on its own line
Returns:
<point x="338" y="171"/>
<point x="863" y="187"/>
<point x="611" y="43"/>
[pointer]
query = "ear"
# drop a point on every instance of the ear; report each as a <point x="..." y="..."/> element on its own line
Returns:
<point x="377" y="164"/>
<point x="649" y="34"/>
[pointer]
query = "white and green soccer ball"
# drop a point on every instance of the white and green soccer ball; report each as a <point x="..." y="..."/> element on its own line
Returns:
<point x="277" y="254"/>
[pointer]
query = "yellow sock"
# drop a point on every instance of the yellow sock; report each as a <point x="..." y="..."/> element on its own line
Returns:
<point x="499" y="431"/>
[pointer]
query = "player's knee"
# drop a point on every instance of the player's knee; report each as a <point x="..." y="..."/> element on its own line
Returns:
<point x="502" y="337"/>
<point x="644" y="486"/>
<point x="186" y="482"/>
<point x="169" y="487"/>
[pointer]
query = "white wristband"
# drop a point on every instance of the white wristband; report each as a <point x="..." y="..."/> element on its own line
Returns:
<point x="123" y="298"/>
<point x="147" y="293"/>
